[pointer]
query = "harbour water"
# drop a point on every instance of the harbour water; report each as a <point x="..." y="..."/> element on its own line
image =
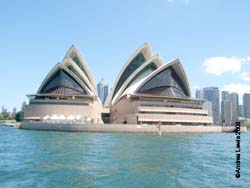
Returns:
<point x="78" y="159"/>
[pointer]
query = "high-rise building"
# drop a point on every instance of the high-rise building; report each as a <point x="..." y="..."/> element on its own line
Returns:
<point x="235" y="105"/>
<point x="208" y="106"/>
<point x="212" y="94"/>
<point x="199" y="94"/>
<point x="241" y="111"/>
<point x="225" y="95"/>
<point x="226" y="112"/>
<point x="102" y="89"/>
<point x="246" y="105"/>
<point x="229" y="107"/>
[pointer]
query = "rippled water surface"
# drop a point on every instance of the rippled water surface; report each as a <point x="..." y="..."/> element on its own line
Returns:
<point x="69" y="159"/>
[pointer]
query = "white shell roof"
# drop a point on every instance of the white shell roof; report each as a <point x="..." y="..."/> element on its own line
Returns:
<point x="175" y="64"/>
<point x="146" y="51"/>
<point x="82" y="75"/>
<point x="156" y="60"/>
<point x="55" y="69"/>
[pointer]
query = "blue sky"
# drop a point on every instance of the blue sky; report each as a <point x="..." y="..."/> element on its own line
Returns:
<point x="211" y="38"/>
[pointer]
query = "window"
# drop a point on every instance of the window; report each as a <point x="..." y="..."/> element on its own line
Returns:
<point x="143" y="73"/>
<point x="165" y="83"/>
<point x="62" y="83"/>
<point x="70" y="67"/>
<point x="135" y="63"/>
<point x="79" y="63"/>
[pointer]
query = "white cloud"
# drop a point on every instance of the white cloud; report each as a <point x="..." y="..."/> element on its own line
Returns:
<point x="220" y="65"/>
<point x="196" y="87"/>
<point x="245" y="76"/>
<point x="238" y="88"/>
<point x="246" y="60"/>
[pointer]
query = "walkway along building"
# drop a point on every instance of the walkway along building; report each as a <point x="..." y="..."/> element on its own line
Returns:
<point x="146" y="91"/>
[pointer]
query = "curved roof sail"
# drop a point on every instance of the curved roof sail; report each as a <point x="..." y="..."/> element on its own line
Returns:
<point x="143" y="71"/>
<point x="138" y="58"/>
<point x="72" y="66"/>
<point x="168" y="80"/>
<point x="79" y="60"/>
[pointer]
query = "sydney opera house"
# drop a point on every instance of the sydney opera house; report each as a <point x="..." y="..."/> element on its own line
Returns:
<point x="146" y="91"/>
<point x="68" y="92"/>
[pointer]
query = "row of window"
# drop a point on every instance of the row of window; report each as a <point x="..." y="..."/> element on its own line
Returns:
<point x="174" y="123"/>
<point x="167" y="78"/>
<point x="173" y="113"/>
<point x="171" y="106"/>
<point x="164" y="91"/>
<point x="59" y="103"/>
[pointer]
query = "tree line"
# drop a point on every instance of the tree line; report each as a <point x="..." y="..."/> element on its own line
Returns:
<point x="5" y="114"/>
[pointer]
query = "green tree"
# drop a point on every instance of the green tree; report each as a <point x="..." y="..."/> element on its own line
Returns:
<point x="13" y="115"/>
<point x="4" y="109"/>
<point x="1" y="116"/>
<point x="5" y="115"/>
<point x="19" y="116"/>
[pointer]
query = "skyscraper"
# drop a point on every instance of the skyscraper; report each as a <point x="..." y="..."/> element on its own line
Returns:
<point x="226" y="112"/>
<point x="225" y="100"/>
<point x="212" y="94"/>
<point x="229" y="107"/>
<point x="225" y="95"/>
<point x="241" y="111"/>
<point x="246" y="105"/>
<point x="102" y="89"/>
<point x="235" y="105"/>
<point x="199" y="94"/>
<point x="208" y="106"/>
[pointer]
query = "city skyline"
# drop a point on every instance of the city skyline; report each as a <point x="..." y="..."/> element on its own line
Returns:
<point x="212" y="46"/>
<point x="225" y="105"/>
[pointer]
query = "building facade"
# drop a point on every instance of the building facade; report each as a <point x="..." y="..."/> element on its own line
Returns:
<point x="230" y="108"/>
<point x="148" y="91"/>
<point x="225" y="95"/>
<point x="226" y="112"/>
<point x="241" y="110"/>
<point x="212" y="94"/>
<point x="67" y="94"/>
<point x="235" y="105"/>
<point x="246" y="105"/>
<point x="102" y="89"/>
<point x="199" y="94"/>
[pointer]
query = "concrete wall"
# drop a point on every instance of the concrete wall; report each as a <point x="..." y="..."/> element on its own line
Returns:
<point x="124" y="110"/>
<point x="130" y="111"/>
<point x="127" y="128"/>
<point x="36" y="111"/>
